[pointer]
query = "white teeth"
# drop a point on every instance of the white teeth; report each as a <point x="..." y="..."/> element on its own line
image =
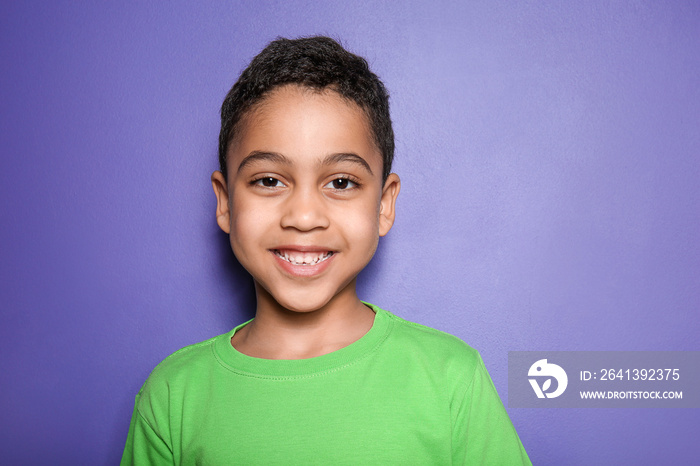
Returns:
<point x="303" y="258"/>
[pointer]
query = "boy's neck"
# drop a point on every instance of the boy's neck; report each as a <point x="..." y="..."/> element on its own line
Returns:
<point x="278" y="333"/>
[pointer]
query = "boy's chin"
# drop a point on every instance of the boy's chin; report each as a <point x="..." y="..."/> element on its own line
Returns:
<point x="300" y="301"/>
<point x="302" y="305"/>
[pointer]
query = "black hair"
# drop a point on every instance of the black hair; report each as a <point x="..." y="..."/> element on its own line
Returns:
<point x="317" y="63"/>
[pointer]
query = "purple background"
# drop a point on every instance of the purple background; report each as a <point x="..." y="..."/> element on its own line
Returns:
<point x="550" y="201"/>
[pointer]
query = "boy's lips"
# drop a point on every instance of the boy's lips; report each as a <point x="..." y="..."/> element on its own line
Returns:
<point x="304" y="261"/>
<point x="297" y="257"/>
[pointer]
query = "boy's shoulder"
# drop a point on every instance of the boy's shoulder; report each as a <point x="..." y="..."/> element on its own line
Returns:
<point x="190" y="362"/>
<point x="423" y="334"/>
<point x="435" y="346"/>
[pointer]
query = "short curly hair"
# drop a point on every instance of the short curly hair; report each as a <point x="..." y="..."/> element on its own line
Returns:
<point x="318" y="63"/>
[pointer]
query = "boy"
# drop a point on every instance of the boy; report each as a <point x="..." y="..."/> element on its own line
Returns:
<point x="317" y="377"/>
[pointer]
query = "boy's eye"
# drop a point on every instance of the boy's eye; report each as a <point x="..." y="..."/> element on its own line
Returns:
<point x="269" y="182"/>
<point x="341" y="184"/>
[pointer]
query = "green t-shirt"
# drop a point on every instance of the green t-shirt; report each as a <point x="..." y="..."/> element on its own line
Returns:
<point x="401" y="394"/>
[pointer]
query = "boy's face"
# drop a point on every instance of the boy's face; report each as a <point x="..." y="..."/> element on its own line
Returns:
<point x="304" y="203"/>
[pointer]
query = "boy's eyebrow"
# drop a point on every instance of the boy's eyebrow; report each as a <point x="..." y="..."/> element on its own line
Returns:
<point x="347" y="157"/>
<point x="257" y="155"/>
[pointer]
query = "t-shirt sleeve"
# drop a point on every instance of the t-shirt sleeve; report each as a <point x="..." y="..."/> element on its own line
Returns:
<point x="482" y="431"/>
<point x="144" y="446"/>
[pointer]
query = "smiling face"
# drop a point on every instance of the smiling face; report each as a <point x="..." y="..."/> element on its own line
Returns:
<point x="304" y="202"/>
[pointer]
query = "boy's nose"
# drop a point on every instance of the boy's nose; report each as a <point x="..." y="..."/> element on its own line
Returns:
<point x="304" y="211"/>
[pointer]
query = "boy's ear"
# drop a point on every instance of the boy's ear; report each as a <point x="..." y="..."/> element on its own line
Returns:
<point x="223" y="212"/>
<point x="387" y="204"/>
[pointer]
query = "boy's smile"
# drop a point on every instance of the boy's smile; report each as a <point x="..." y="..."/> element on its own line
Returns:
<point x="304" y="202"/>
<point x="302" y="261"/>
